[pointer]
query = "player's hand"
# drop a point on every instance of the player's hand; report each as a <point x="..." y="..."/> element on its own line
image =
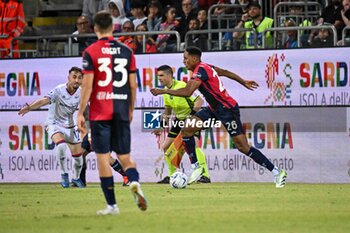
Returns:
<point x="251" y="85"/>
<point x="157" y="91"/>
<point x="157" y="132"/>
<point x="24" y="110"/>
<point x="81" y="123"/>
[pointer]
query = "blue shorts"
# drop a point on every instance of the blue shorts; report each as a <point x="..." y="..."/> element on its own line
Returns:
<point x="85" y="144"/>
<point x="112" y="135"/>
<point x="230" y="117"/>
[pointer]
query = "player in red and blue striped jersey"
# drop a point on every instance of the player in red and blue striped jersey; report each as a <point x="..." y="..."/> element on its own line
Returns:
<point x="110" y="85"/>
<point x="221" y="107"/>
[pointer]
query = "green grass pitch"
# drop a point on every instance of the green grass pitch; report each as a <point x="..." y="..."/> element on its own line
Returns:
<point x="216" y="207"/>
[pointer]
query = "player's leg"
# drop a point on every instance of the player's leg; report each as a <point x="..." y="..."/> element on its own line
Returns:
<point x="203" y="163"/>
<point x="116" y="165"/>
<point x="60" y="152"/>
<point x="77" y="155"/>
<point x="242" y="145"/>
<point x="83" y="168"/>
<point x="86" y="146"/>
<point x="74" y="143"/>
<point x="133" y="176"/>
<point x="101" y="137"/>
<point x="107" y="184"/>
<point x="174" y="131"/>
<point x="232" y="122"/>
<point x="120" y="141"/>
<point x="189" y="142"/>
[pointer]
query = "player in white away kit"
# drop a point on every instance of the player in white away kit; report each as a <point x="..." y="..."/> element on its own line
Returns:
<point x="64" y="101"/>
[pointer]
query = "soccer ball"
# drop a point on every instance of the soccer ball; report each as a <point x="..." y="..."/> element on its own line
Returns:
<point x="178" y="180"/>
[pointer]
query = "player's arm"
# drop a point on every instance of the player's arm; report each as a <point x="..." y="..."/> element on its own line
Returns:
<point x="229" y="74"/>
<point x="133" y="87"/>
<point x="86" y="90"/>
<point x="251" y="85"/>
<point x="35" y="105"/>
<point x="187" y="91"/>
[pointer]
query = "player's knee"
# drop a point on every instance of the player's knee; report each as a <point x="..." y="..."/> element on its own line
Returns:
<point x="61" y="147"/>
<point x="78" y="159"/>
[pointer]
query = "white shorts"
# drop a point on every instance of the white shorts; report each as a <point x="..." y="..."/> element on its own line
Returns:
<point x="71" y="135"/>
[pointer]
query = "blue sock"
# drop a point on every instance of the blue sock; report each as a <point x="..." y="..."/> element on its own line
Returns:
<point x="132" y="174"/>
<point x="190" y="148"/>
<point x="107" y="186"/>
<point x="260" y="158"/>
<point x="118" y="167"/>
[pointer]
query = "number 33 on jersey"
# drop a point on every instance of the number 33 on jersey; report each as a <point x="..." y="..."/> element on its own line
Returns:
<point x="110" y="62"/>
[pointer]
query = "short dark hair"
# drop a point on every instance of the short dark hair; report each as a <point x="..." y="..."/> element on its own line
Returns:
<point x="103" y="20"/>
<point x="193" y="18"/>
<point x="137" y="4"/>
<point x="76" y="69"/>
<point x="193" y="50"/>
<point x="167" y="69"/>
<point x="254" y="3"/>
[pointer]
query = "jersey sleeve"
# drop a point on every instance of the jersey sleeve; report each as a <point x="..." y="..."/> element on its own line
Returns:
<point x="132" y="63"/>
<point x="53" y="94"/>
<point x="200" y="75"/>
<point x="87" y="63"/>
<point x="166" y="100"/>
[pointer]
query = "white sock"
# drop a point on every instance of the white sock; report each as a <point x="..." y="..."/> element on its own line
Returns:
<point x="195" y="165"/>
<point x="77" y="166"/>
<point x="112" y="206"/>
<point x="275" y="171"/>
<point x="60" y="153"/>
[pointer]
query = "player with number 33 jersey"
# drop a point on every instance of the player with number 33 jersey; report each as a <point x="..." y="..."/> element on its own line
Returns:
<point x="110" y="86"/>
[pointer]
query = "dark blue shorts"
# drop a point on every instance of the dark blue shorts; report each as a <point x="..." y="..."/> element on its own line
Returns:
<point x="112" y="135"/>
<point x="85" y="144"/>
<point x="230" y="117"/>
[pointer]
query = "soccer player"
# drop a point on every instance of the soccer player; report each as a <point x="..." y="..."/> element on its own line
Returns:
<point x="221" y="107"/>
<point x="183" y="107"/>
<point x="110" y="85"/>
<point x="115" y="164"/>
<point x="63" y="100"/>
<point x="87" y="148"/>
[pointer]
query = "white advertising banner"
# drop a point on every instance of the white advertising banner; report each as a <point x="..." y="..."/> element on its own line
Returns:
<point x="307" y="77"/>
<point x="311" y="144"/>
